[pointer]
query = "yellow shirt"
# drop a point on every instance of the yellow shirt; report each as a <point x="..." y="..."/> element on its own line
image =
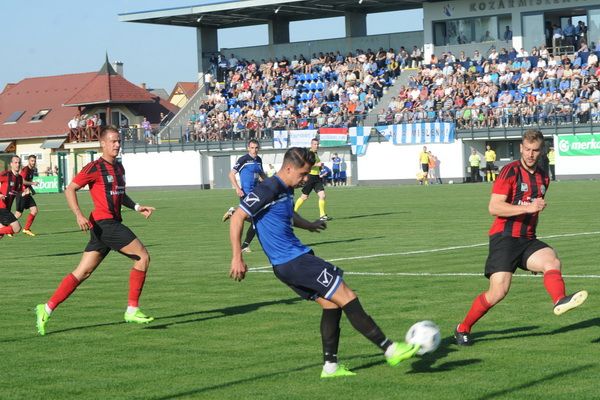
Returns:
<point x="424" y="157"/>
<point x="551" y="157"/>
<point x="490" y="156"/>
<point x="474" y="160"/>
<point x="316" y="169"/>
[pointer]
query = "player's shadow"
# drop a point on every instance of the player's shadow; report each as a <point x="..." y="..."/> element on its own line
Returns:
<point x="206" y="315"/>
<point x="372" y="215"/>
<point x="425" y="363"/>
<point x="593" y="322"/>
<point x="343" y="241"/>
<point x="72" y="253"/>
<point x="284" y="374"/>
<point x="509" y="392"/>
<point x="59" y="232"/>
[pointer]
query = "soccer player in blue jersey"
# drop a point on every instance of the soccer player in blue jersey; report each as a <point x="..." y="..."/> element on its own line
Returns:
<point x="249" y="167"/>
<point x="270" y="206"/>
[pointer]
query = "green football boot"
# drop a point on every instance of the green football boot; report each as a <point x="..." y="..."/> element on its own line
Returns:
<point x="138" y="317"/>
<point x="42" y="318"/>
<point x="403" y="351"/>
<point x="340" y="371"/>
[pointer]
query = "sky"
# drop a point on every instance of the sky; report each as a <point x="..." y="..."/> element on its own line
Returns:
<point x="44" y="38"/>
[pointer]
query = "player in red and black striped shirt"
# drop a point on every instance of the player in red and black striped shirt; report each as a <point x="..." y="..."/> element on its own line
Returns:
<point x="106" y="180"/>
<point x="516" y="202"/>
<point x="28" y="202"/>
<point x="11" y="184"/>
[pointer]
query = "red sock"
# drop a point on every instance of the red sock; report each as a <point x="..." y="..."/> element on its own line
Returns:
<point x="555" y="285"/>
<point x="30" y="219"/>
<point x="7" y="230"/>
<point x="64" y="290"/>
<point x="136" y="283"/>
<point x="478" y="309"/>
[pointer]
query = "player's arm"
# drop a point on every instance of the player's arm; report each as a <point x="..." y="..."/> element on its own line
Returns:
<point x="23" y="174"/>
<point x="498" y="206"/>
<point x="238" y="266"/>
<point x="234" y="183"/>
<point x="71" y="195"/>
<point x="315" y="226"/>
<point x="146" y="211"/>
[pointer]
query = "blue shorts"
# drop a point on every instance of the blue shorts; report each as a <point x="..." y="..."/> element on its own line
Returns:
<point x="310" y="276"/>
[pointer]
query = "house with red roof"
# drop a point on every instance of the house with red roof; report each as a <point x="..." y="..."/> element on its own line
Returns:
<point x="182" y="92"/>
<point x="35" y="114"/>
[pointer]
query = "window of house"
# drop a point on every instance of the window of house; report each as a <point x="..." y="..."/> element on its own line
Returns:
<point x="14" y="117"/>
<point x="40" y="115"/>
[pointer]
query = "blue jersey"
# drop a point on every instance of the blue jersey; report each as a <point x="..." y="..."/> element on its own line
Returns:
<point x="337" y="162"/>
<point x="271" y="207"/>
<point x="249" y="169"/>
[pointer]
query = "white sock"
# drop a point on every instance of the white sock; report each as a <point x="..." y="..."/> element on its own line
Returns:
<point x="48" y="309"/>
<point x="330" y="367"/>
<point x="131" y="309"/>
<point x="390" y="350"/>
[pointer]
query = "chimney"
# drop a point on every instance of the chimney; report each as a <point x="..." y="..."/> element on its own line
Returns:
<point x="118" y="66"/>
<point x="143" y="85"/>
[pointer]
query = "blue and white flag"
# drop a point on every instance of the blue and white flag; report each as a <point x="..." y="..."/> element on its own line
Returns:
<point x="359" y="138"/>
<point x="280" y="139"/>
<point x="418" y="133"/>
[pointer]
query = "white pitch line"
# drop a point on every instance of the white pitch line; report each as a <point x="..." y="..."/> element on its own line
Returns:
<point x="407" y="253"/>
<point x="446" y="274"/>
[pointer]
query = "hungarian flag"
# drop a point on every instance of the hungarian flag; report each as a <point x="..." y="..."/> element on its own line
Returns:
<point x="332" y="137"/>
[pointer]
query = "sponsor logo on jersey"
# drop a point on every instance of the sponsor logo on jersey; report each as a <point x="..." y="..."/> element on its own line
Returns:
<point x="524" y="187"/>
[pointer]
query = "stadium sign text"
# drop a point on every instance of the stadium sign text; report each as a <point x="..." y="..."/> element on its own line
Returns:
<point x="502" y="4"/>
<point x="46" y="184"/>
<point x="579" y="145"/>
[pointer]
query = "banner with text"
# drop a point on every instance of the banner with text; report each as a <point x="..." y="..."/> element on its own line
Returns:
<point x="280" y="139"/>
<point x="579" y="145"/>
<point x="47" y="184"/>
<point x="332" y="137"/>
<point x="418" y="133"/>
<point x="301" y="138"/>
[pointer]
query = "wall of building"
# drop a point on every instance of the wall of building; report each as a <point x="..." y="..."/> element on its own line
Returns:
<point x="344" y="45"/>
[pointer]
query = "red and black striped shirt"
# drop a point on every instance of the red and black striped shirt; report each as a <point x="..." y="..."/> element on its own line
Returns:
<point x="10" y="185"/>
<point x="107" y="188"/>
<point x="520" y="187"/>
<point x="27" y="174"/>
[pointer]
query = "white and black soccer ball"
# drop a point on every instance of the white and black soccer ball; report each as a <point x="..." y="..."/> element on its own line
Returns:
<point x="426" y="334"/>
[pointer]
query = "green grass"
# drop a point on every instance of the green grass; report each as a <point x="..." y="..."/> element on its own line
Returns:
<point x="219" y="339"/>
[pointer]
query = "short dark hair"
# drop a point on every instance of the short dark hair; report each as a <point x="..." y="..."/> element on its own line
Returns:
<point x="299" y="156"/>
<point x="32" y="156"/>
<point x="314" y="139"/>
<point x="106" y="130"/>
<point x="533" y="135"/>
<point x="251" y="141"/>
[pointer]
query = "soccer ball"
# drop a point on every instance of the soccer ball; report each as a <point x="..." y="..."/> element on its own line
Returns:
<point x="426" y="334"/>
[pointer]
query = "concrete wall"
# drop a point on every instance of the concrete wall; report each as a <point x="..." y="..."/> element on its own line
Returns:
<point x="344" y="45"/>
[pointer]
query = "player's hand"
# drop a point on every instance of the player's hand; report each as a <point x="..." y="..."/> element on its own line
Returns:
<point x="537" y="205"/>
<point x="238" y="270"/>
<point x="146" y="211"/>
<point x="317" y="226"/>
<point x="239" y="192"/>
<point x="34" y="183"/>
<point x="84" y="223"/>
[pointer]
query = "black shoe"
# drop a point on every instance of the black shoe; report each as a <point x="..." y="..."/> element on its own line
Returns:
<point x="569" y="302"/>
<point x="462" y="338"/>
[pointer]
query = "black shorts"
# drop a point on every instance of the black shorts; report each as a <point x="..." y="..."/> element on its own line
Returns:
<point x="509" y="253"/>
<point x="424" y="167"/>
<point x="489" y="166"/>
<point x="6" y="217"/>
<point x="310" y="276"/>
<point x="25" y="202"/>
<point x="109" y="234"/>
<point x="313" y="183"/>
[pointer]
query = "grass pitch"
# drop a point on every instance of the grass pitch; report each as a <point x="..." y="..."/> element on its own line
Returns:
<point x="410" y="252"/>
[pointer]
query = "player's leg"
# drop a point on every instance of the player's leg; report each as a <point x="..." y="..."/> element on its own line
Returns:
<point x="250" y="233"/>
<point x="33" y="210"/>
<point x="547" y="262"/>
<point x="322" y="213"/>
<point x="88" y="263"/>
<point x="394" y="352"/>
<point x="11" y="228"/>
<point x="498" y="289"/>
<point x="300" y="200"/>
<point x="136" y="251"/>
<point x="330" y="338"/>
<point x="228" y="214"/>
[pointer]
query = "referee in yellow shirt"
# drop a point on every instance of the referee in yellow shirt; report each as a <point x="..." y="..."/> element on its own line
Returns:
<point x="315" y="183"/>
<point x="490" y="168"/>
<point x="424" y="160"/>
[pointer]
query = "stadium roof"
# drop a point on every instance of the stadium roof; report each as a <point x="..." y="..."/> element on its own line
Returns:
<point x="234" y="13"/>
